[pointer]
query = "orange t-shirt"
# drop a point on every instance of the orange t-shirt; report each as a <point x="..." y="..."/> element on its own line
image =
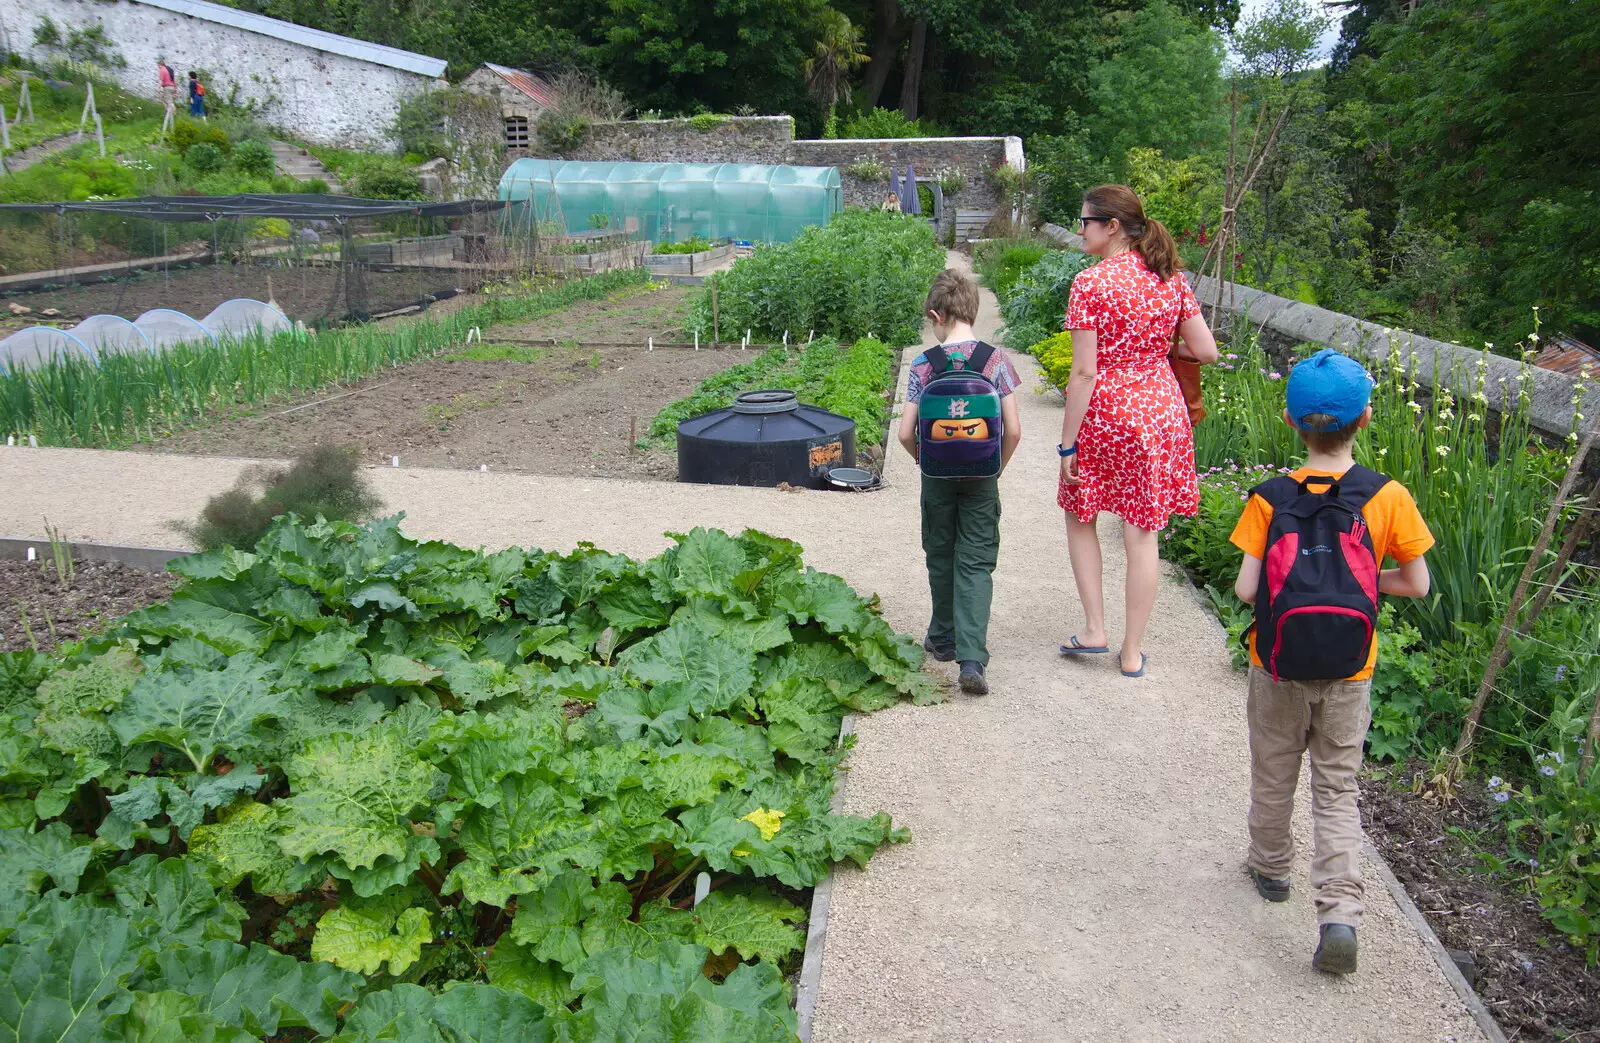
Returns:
<point x="1397" y="528"/>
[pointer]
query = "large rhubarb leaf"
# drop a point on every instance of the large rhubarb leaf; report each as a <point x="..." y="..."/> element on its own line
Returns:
<point x="204" y="713"/>
<point x="533" y="827"/>
<point x="53" y="853"/>
<point x="514" y="968"/>
<point x="372" y="934"/>
<point x="353" y="797"/>
<point x="258" y="989"/>
<point x="403" y="1014"/>
<point x="148" y="796"/>
<point x="166" y="1017"/>
<point x="174" y="895"/>
<point x="244" y="843"/>
<point x="60" y="985"/>
<point x="757" y="924"/>
<point x="486" y="1014"/>
<point x="548" y="922"/>
<point x="227" y="631"/>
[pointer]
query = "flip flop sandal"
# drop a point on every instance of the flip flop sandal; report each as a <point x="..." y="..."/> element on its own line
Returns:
<point x="1078" y="648"/>
<point x="1139" y="672"/>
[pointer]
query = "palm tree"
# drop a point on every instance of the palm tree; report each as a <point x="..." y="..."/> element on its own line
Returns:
<point x="838" y="53"/>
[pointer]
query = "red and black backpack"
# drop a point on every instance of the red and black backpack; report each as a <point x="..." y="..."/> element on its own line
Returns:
<point x="1317" y="606"/>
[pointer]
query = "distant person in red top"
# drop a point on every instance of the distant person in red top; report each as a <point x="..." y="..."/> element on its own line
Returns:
<point x="197" y="95"/>
<point x="169" y="82"/>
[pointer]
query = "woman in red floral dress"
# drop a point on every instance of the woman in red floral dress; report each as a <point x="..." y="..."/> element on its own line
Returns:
<point x="1126" y="442"/>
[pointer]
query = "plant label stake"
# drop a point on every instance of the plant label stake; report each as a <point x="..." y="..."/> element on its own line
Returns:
<point x="714" y="337"/>
<point x="651" y="342"/>
<point x="702" y="887"/>
<point x="785" y="340"/>
<point x="5" y="133"/>
<point x="697" y="340"/>
<point x="11" y="439"/>
<point x="33" y="441"/>
<point x="394" y="461"/>
<point x="483" y="468"/>
<point x="811" y="337"/>
<point x="31" y="555"/>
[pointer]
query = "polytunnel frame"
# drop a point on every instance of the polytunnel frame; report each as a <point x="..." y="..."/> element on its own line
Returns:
<point x="713" y="199"/>
<point x="81" y="330"/>
<point x="157" y="342"/>
<point x="64" y="334"/>
<point x="262" y="327"/>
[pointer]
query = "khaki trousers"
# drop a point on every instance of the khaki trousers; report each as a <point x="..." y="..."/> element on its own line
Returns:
<point x="1329" y="720"/>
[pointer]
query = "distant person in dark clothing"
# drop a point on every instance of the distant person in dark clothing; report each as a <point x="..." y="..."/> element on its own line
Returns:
<point x="197" y="95"/>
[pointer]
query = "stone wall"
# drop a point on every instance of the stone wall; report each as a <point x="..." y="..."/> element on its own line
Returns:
<point x="323" y="97"/>
<point x="770" y="139"/>
<point x="1285" y="324"/>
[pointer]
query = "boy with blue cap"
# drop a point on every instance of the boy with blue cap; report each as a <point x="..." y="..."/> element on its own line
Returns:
<point x="1323" y="533"/>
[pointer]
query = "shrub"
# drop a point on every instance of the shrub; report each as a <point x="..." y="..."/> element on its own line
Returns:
<point x="384" y="177"/>
<point x="321" y="483"/>
<point x="867" y="170"/>
<point x="1055" y="357"/>
<point x="690" y="246"/>
<point x="204" y="157"/>
<point x="706" y="122"/>
<point x="1037" y="304"/>
<point x="890" y="123"/>
<point x="186" y="134"/>
<point x="866" y="272"/>
<point x="254" y="158"/>
<point x="314" y="185"/>
<point x="561" y="133"/>
<point x="1001" y="262"/>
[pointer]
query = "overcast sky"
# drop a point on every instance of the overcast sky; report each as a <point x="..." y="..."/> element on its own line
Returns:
<point x="1329" y="38"/>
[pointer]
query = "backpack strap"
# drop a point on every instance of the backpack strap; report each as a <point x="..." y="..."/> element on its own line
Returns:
<point x="1359" y="485"/>
<point x="938" y="359"/>
<point x="980" y="357"/>
<point x="1277" y="491"/>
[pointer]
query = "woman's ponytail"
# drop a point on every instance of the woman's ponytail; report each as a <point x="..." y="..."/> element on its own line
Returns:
<point x="1148" y="237"/>
<point x="1160" y="253"/>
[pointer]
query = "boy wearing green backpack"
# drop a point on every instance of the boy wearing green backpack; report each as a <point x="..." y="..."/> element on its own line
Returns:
<point x="960" y="424"/>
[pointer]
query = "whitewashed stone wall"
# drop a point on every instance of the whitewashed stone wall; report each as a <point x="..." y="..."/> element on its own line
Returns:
<point x="325" y="98"/>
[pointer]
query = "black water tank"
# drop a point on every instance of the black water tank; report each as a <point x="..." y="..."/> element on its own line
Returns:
<point x="764" y="438"/>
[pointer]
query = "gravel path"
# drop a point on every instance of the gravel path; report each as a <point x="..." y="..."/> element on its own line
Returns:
<point x="1077" y="869"/>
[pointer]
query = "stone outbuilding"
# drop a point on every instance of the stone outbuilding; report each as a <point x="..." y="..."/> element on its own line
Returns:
<point x="523" y="97"/>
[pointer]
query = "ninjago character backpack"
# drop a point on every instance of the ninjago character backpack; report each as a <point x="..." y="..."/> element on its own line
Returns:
<point x="959" y="425"/>
<point x="1317" y="606"/>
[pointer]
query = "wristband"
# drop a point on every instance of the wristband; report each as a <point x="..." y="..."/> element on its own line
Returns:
<point x="1063" y="451"/>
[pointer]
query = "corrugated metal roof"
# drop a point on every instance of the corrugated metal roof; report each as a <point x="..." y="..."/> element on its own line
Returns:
<point x="525" y="82"/>
<point x="1568" y="355"/>
<point x="332" y="43"/>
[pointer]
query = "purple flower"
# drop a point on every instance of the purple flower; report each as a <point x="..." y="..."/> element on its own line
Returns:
<point x="1547" y="771"/>
<point x="1502" y="797"/>
<point x="1274" y="375"/>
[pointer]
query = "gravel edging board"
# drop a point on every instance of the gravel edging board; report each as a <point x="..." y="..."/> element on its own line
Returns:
<point x="1452" y="973"/>
<point x="805" y="1003"/>
<point x="151" y="559"/>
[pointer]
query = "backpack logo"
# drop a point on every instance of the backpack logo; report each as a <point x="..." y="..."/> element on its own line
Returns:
<point x="958" y="408"/>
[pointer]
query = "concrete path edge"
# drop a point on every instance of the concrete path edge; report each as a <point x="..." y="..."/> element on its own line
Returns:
<point x="810" y="985"/>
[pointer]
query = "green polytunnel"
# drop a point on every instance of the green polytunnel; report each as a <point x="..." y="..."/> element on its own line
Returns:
<point x="674" y="202"/>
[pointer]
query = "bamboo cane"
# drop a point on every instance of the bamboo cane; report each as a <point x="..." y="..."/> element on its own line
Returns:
<point x="1502" y="644"/>
<point x="1580" y="529"/>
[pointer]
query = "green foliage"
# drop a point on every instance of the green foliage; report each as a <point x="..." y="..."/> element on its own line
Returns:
<point x="1161" y="88"/>
<point x="705" y="122"/>
<point x="323" y="481"/>
<point x="853" y="382"/>
<point x="511" y="765"/>
<point x="865" y="272"/>
<point x="561" y="133"/>
<point x="383" y="177"/>
<point x="254" y="158"/>
<point x="688" y="246"/>
<point x="129" y="396"/>
<point x="187" y="133"/>
<point x="890" y="123"/>
<point x="204" y="157"/>
<point x="1055" y="358"/>
<point x="1454" y="87"/>
<point x="1036" y="305"/>
<point x="867" y="170"/>
<point x="1000" y="262"/>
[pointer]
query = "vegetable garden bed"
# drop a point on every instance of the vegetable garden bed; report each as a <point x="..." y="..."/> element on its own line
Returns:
<point x="422" y="766"/>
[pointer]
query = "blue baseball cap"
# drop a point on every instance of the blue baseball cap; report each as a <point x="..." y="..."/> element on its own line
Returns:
<point x="1329" y="383"/>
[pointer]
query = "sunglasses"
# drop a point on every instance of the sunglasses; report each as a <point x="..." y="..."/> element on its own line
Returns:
<point x="1083" y="222"/>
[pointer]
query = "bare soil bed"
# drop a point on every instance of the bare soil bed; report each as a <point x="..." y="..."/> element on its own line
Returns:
<point x="36" y="610"/>
<point x="516" y="403"/>
<point x="569" y="411"/>
<point x="1537" y="986"/>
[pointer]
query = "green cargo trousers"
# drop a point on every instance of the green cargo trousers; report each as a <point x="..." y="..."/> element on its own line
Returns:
<point x="961" y="539"/>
